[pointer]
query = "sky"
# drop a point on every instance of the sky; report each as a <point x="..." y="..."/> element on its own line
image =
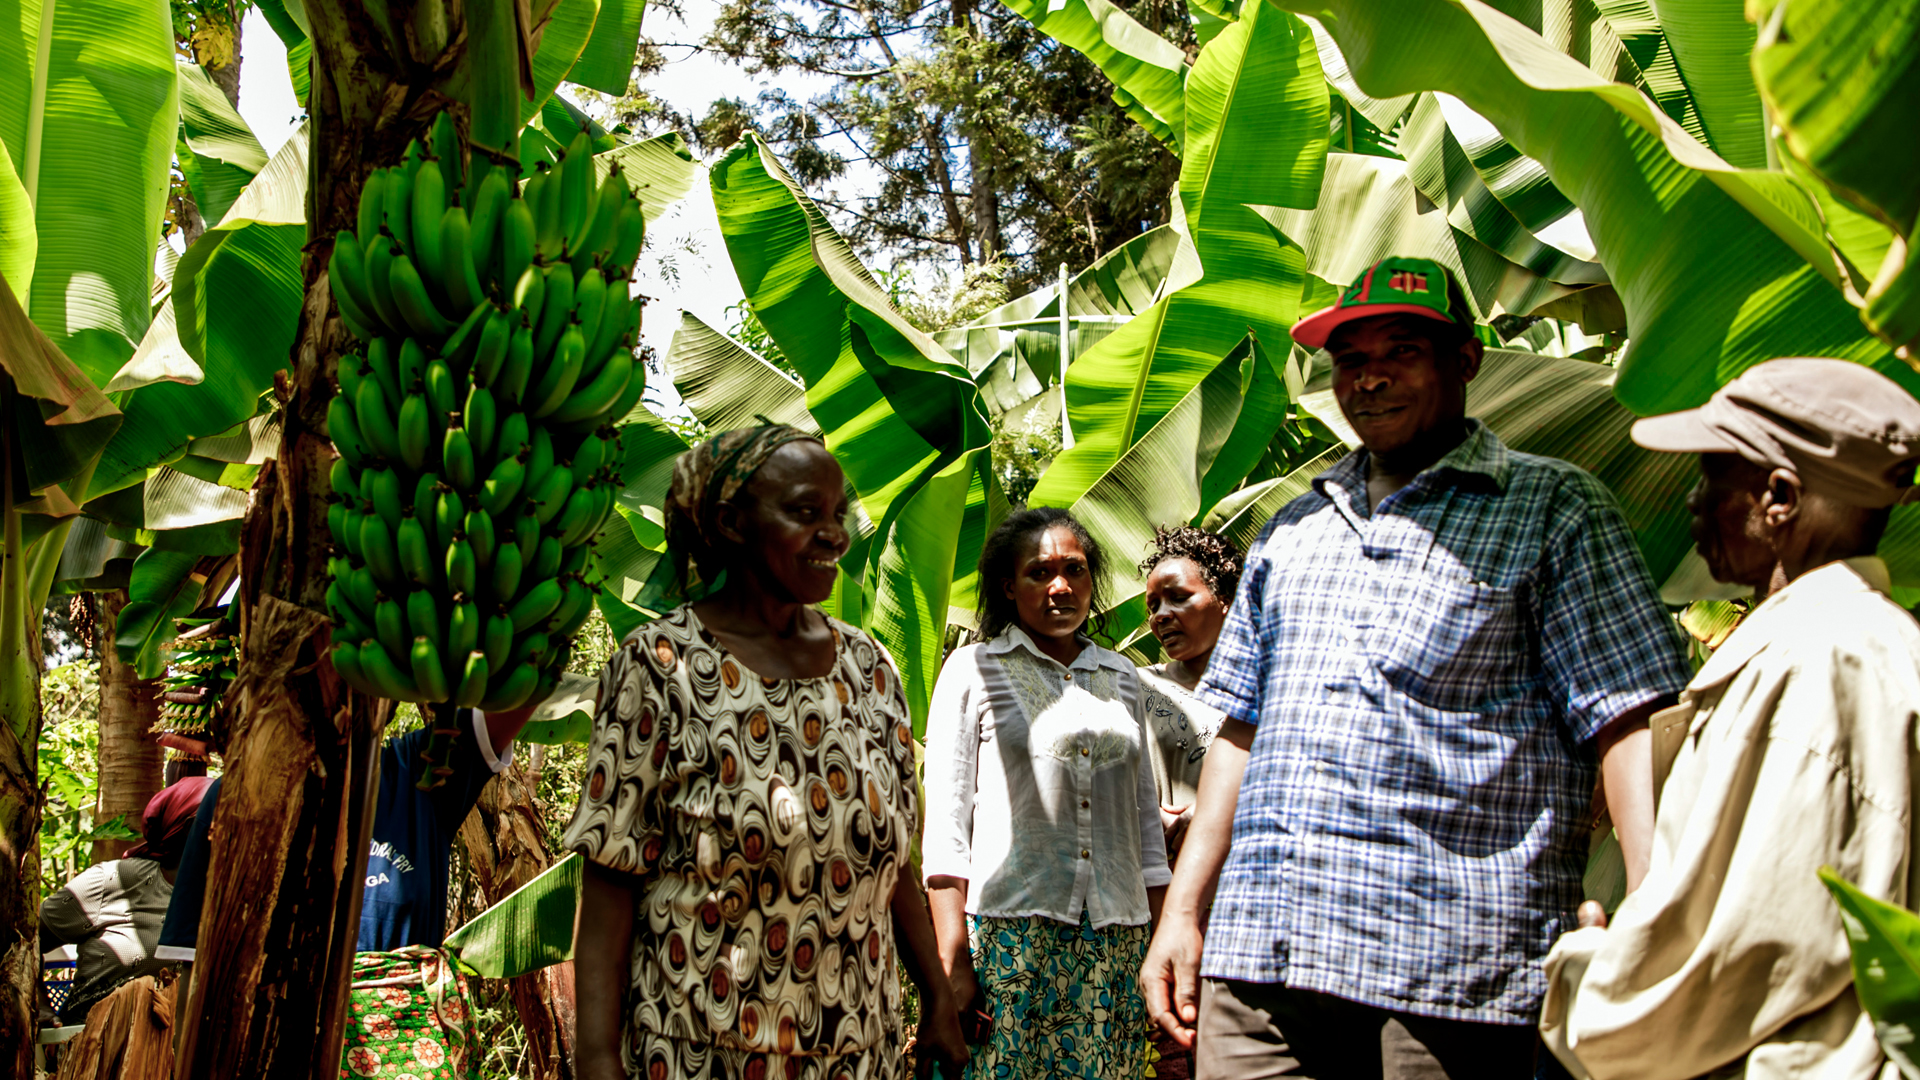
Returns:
<point x="688" y="266"/>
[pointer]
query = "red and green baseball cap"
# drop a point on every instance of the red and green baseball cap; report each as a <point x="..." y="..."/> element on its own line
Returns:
<point x="1393" y="286"/>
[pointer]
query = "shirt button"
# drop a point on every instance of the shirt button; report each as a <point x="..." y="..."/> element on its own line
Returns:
<point x="1084" y="853"/>
<point x="1084" y="804"/>
<point x="1084" y="751"/>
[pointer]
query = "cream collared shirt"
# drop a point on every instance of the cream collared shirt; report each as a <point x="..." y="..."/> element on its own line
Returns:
<point x="1793" y="748"/>
<point x="1039" y="789"/>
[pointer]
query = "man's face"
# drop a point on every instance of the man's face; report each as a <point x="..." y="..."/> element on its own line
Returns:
<point x="1729" y="526"/>
<point x="1393" y="385"/>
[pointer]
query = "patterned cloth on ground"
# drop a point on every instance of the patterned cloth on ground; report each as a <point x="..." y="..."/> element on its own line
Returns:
<point x="409" y="1017"/>
<point x="1062" y="997"/>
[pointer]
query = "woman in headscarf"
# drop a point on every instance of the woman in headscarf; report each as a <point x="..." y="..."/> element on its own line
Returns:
<point x="113" y="911"/>
<point x="749" y="803"/>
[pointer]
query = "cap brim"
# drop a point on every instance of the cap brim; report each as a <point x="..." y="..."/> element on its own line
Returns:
<point x="1314" y="330"/>
<point x="1681" y="433"/>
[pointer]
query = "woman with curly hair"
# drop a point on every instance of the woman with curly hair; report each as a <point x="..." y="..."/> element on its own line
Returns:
<point x="1043" y="851"/>
<point x="1191" y="577"/>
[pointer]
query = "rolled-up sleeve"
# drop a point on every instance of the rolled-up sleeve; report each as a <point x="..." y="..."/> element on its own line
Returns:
<point x="952" y="766"/>
<point x="1607" y="643"/>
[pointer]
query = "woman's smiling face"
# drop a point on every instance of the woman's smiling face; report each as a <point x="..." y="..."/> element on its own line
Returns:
<point x="792" y="521"/>
<point x="1052" y="585"/>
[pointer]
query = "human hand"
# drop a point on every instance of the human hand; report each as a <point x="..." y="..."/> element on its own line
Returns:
<point x="1170" y="978"/>
<point x="1173" y="822"/>
<point x="939" y="1038"/>
<point x="1592" y="914"/>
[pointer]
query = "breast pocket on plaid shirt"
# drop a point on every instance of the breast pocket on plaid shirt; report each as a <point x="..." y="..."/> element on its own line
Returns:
<point x="1456" y="644"/>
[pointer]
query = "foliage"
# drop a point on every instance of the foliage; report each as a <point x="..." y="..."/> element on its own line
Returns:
<point x="69" y="740"/>
<point x="1885" y="942"/>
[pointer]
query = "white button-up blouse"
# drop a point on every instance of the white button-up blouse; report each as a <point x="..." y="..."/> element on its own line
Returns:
<point x="1038" y="788"/>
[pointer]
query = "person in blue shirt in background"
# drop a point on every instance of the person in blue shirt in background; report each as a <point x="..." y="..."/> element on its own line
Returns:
<point x="406" y="889"/>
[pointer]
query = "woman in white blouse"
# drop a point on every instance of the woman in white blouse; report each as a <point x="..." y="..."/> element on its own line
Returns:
<point x="1044" y="855"/>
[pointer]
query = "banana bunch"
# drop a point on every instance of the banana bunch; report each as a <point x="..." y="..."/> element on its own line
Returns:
<point x="477" y="459"/>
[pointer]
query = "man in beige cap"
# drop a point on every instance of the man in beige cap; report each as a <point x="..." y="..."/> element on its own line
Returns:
<point x="1793" y="748"/>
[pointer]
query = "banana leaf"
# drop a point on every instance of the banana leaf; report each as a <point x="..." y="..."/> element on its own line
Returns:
<point x="660" y="170"/>
<point x="562" y="40"/>
<point x="606" y="64"/>
<point x="1256" y="135"/>
<point x="1147" y="70"/>
<point x="1240" y="516"/>
<point x="19" y="240"/>
<point x="163" y="587"/>
<point x="57" y="422"/>
<point x="217" y="151"/>
<point x="1712" y="45"/>
<point x="236" y="300"/>
<point x="527" y="930"/>
<point x="1885" y="943"/>
<point x="565" y="717"/>
<point x="1718" y="268"/>
<point x="92" y="560"/>
<point x="727" y="385"/>
<point x="89" y="108"/>
<point x="913" y="580"/>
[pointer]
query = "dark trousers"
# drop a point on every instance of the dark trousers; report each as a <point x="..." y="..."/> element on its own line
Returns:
<point x="1248" y="1031"/>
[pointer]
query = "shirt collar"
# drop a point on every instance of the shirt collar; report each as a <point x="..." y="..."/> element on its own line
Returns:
<point x="1091" y="655"/>
<point x="1865" y="573"/>
<point x="1481" y="453"/>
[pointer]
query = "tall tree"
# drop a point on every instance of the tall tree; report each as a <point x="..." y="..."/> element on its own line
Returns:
<point x="131" y="760"/>
<point x="992" y="141"/>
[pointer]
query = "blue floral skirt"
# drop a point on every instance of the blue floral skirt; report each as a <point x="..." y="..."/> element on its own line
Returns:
<point x="1063" y="998"/>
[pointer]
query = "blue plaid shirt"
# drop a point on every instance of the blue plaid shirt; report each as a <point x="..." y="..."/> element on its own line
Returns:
<point x="1427" y="680"/>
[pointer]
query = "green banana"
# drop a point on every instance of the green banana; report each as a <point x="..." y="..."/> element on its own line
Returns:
<point x="617" y="319"/>
<point x="546" y="561"/>
<point x="383" y="491"/>
<point x="629" y="233"/>
<point x="539" y="602"/>
<point x="531" y="648"/>
<point x="489" y="205"/>
<point x="462" y="575"/>
<point x="558" y="381"/>
<point x="410" y="297"/>
<point x="346" y="661"/>
<point x="556" y="309"/>
<point x="385" y="369"/>
<point x="573" y="560"/>
<point x="506" y="572"/>
<point x="385" y="676"/>
<point x="499" y="640"/>
<point x="511" y="689"/>
<point x="512" y="437"/>
<point x="416" y="427"/>
<point x="399" y="206"/>
<point x="608" y="199"/>
<point x="449" y="516"/>
<point x="543" y="195"/>
<point x="428" y="675"/>
<point x="428" y="210"/>
<point x="375" y="421"/>
<point x="463" y="629"/>
<point x="588" y="457"/>
<point x="460" y="349"/>
<point x="481" y="419"/>
<point x="576" y="516"/>
<point x="410" y="366"/>
<point x="340" y="478"/>
<point x="540" y="460"/>
<point x="457" y="459"/>
<point x="493" y="346"/>
<point x="441" y="391"/>
<point x="337" y="518"/>
<point x="530" y="292"/>
<point x="596" y="397"/>
<point x="622" y="406"/>
<point x="480" y="534"/>
<point x="502" y="485"/>
<point x="361" y="591"/>
<point x="423" y="615"/>
<point x="444" y="140"/>
<point x="473" y="681"/>
<point x="416" y="558"/>
<point x="518" y="367"/>
<point x="426" y="492"/>
<point x="576" y="602"/>
<point x="349" y="372"/>
<point x="589" y="302"/>
<point x="526" y="535"/>
<point x="577" y="188"/>
<point x="516" y="240"/>
<point x="372" y="203"/>
<point x="390" y="624"/>
<point x="347" y="272"/>
<point x="376" y="547"/>
<point x="380" y="249"/>
<point x="350" y="538"/>
<point x="457" y="276"/>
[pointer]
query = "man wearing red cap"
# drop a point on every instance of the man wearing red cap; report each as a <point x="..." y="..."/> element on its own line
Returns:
<point x="1434" y="655"/>
<point x="1792" y="749"/>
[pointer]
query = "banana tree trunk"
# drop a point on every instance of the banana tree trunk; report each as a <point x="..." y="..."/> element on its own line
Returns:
<point x="295" y="813"/>
<point x="506" y="848"/>
<point x="132" y="763"/>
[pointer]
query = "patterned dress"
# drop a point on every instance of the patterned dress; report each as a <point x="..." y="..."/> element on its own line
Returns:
<point x="767" y="820"/>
